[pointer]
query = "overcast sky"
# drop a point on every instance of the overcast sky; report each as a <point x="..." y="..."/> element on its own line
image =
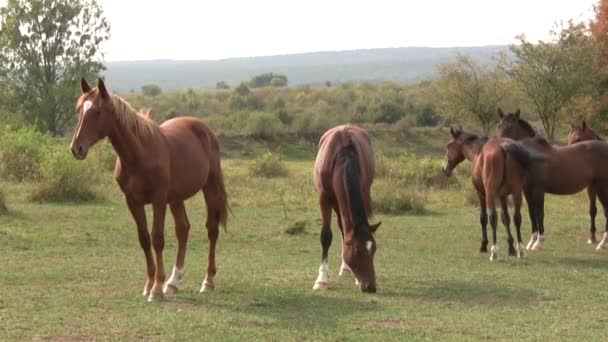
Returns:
<point x="203" y="29"/>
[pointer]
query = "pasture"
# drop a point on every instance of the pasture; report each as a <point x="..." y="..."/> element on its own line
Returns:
<point x="75" y="271"/>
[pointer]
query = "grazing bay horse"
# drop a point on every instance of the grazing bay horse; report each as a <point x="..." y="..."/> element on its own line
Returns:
<point x="343" y="175"/>
<point x="499" y="167"/>
<point x="566" y="171"/>
<point x="157" y="165"/>
<point x="577" y="134"/>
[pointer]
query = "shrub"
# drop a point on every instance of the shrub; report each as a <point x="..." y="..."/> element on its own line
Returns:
<point x="264" y="125"/>
<point x="297" y="228"/>
<point x="65" y="179"/>
<point x="20" y="153"/>
<point x="417" y="171"/>
<point x="269" y="165"/>
<point x="393" y="199"/>
<point x="3" y="208"/>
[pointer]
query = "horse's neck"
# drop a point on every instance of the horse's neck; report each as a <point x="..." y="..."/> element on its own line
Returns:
<point x="472" y="150"/>
<point x="126" y="145"/>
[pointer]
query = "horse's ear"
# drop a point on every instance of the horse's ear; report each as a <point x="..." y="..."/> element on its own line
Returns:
<point x="583" y="125"/>
<point x="374" y="227"/>
<point x="84" y="86"/>
<point x="500" y="113"/>
<point x="453" y="132"/>
<point x="517" y="113"/>
<point x="103" y="91"/>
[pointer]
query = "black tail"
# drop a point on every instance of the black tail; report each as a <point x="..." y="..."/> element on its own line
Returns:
<point x="524" y="156"/>
<point x="349" y="157"/>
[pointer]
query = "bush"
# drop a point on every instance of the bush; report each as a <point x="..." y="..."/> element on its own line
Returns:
<point x="264" y="125"/>
<point x="3" y="208"/>
<point x="391" y="198"/>
<point x="105" y="155"/>
<point x="65" y="179"/>
<point x="269" y="165"/>
<point x="297" y="228"/>
<point x="412" y="170"/>
<point x="20" y="153"/>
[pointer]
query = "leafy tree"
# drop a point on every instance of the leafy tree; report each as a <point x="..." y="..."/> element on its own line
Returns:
<point x="151" y="90"/>
<point x="268" y="79"/>
<point x="599" y="30"/>
<point x="45" y="47"/>
<point x="471" y="91"/>
<point x="554" y="73"/>
<point x="222" y="85"/>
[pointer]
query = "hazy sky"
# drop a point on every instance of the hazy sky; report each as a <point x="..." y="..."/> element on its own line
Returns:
<point x="203" y="29"/>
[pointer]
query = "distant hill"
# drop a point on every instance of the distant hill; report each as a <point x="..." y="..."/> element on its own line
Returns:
<point x="402" y="65"/>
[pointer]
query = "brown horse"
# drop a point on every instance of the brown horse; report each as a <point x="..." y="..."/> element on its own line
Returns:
<point x="343" y="175"/>
<point x="499" y="167"/>
<point x="577" y="134"/>
<point x="161" y="165"/>
<point x="567" y="170"/>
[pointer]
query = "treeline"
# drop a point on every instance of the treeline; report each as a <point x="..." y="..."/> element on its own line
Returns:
<point x="304" y="111"/>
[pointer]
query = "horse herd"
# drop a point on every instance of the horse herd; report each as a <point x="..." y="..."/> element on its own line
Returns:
<point x="169" y="163"/>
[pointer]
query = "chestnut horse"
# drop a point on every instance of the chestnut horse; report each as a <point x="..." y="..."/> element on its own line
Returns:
<point x="577" y="134"/>
<point x="161" y="165"/>
<point x="499" y="167"/>
<point x="343" y="175"/>
<point x="567" y="170"/>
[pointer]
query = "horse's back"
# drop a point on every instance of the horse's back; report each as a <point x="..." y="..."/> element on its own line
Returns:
<point x="194" y="150"/>
<point x="330" y="144"/>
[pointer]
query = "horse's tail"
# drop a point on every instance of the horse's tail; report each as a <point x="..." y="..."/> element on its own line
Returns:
<point x="523" y="155"/>
<point x="349" y="156"/>
<point x="224" y="207"/>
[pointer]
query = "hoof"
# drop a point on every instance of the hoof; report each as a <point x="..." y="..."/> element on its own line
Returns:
<point x="207" y="287"/>
<point x="170" y="289"/>
<point x="146" y="292"/>
<point x="592" y="241"/>
<point x="320" y="285"/>
<point x="156" y="297"/>
<point x="600" y="247"/>
<point x="493" y="257"/>
<point x="483" y="249"/>
<point x="512" y="251"/>
<point x="521" y="251"/>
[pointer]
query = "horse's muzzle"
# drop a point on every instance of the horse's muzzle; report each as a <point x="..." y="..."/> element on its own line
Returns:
<point x="79" y="152"/>
<point x="368" y="288"/>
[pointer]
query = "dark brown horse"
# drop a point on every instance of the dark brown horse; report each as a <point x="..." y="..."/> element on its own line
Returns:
<point x="577" y="134"/>
<point x="567" y="170"/>
<point x="499" y="167"/>
<point x="343" y="175"/>
<point x="161" y="165"/>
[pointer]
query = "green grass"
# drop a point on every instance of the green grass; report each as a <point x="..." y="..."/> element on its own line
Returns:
<point x="77" y="271"/>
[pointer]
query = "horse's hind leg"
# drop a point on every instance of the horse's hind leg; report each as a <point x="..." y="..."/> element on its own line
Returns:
<point x="540" y="220"/>
<point x="326" y="237"/>
<point x="483" y="220"/>
<point x="213" y="202"/>
<point x="182" y="227"/>
<point x="603" y="196"/>
<point x="491" y="208"/>
<point x="533" y="219"/>
<point x="521" y="251"/>
<point x="506" y="221"/>
<point x="591" y="192"/>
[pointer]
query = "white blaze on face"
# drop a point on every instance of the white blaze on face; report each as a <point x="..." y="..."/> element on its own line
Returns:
<point x="86" y="106"/>
<point x="368" y="246"/>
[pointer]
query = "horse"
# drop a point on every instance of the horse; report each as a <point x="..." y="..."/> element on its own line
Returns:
<point x="577" y="134"/>
<point x="567" y="170"/>
<point x="157" y="165"/>
<point x="499" y="167"/>
<point x="343" y="175"/>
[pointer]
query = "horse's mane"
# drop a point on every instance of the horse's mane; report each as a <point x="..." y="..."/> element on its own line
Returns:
<point x="527" y="127"/>
<point x="479" y="143"/>
<point x="138" y="123"/>
<point x="349" y="158"/>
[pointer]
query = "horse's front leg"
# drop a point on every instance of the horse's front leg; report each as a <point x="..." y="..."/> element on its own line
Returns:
<point x="139" y="215"/>
<point x="326" y="237"/>
<point x="530" y="200"/>
<point x="158" y="242"/>
<point x="591" y="192"/>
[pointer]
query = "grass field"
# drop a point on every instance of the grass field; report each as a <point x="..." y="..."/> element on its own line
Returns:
<point x="76" y="271"/>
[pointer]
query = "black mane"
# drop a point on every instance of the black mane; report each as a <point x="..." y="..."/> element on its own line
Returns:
<point x="526" y="126"/>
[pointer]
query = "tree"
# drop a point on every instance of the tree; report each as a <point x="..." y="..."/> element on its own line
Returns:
<point x="222" y="85"/>
<point x="268" y="79"/>
<point x="471" y="91"/>
<point x="599" y="30"/>
<point x="554" y="73"/>
<point x="45" y="47"/>
<point x="151" y="90"/>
